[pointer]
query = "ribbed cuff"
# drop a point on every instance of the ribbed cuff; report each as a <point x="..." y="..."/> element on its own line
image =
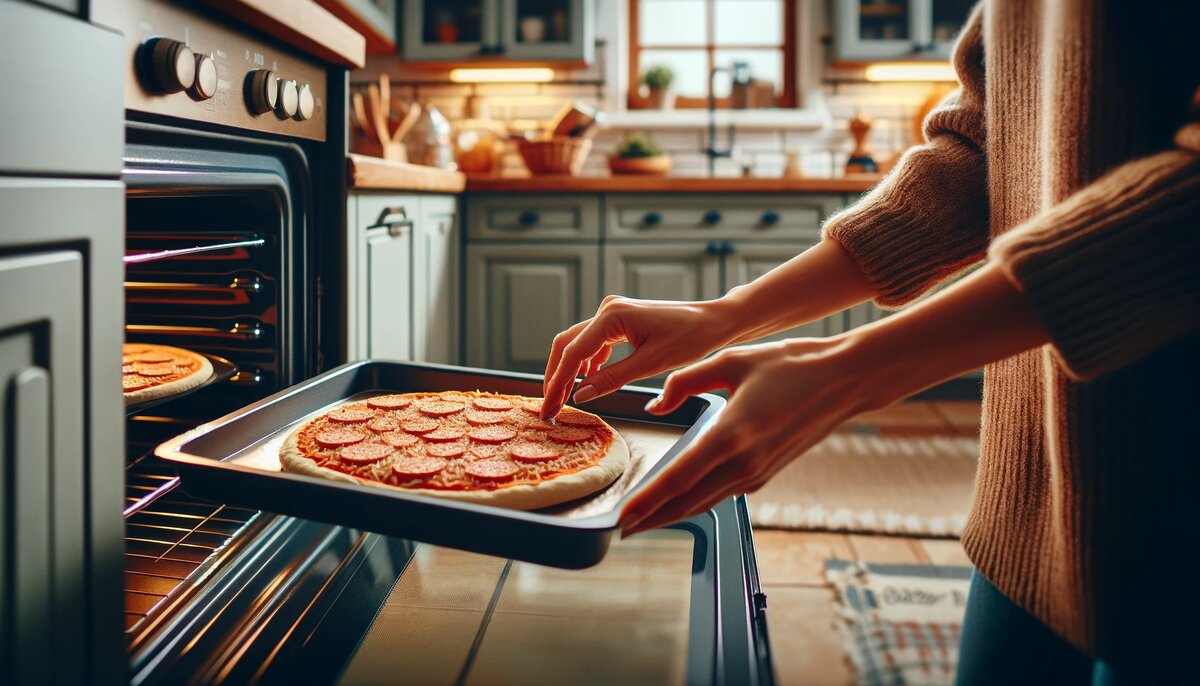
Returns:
<point x="1112" y="270"/>
<point x="926" y="221"/>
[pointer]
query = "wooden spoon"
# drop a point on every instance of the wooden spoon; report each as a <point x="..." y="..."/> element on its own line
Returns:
<point x="379" y="118"/>
<point x="410" y="119"/>
<point x="360" y="114"/>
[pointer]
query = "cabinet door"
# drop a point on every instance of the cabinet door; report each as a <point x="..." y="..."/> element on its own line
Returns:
<point x="748" y="261"/>
<point x="388" y="276"/>
<point x="547" y="30"/>
<point x="869" y="29"/>
<point x="435" y="277"/>
<point x="436" y="30"/>
<point x="520" y="296"/>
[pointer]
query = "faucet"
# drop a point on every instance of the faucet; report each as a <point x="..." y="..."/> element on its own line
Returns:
<point x="740" y="73"/>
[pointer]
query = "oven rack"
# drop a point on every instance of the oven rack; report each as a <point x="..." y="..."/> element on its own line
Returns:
<point x="152" y="256"/>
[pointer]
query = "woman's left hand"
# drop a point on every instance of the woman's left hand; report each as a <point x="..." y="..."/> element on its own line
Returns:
<point x="784" y="398"/>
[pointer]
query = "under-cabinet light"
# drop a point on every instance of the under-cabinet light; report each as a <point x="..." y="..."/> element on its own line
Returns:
<point x="505" y="75"/>
<point x="911" y="71"/>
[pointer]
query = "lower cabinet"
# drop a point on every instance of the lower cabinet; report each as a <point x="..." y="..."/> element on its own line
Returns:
<point x="401" y="274"/>
<point x="519" y="296"/>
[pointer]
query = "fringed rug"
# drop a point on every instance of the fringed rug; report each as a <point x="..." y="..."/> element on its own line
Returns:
<point x="917" y="486"/>
<point x="899" y="624"/>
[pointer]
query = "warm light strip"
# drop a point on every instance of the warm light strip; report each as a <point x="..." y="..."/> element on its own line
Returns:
<point x="525" y="75"/>
<point x="911" y="71"/>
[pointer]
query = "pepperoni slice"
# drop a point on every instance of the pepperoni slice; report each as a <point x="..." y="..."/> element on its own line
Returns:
<point x="365" y="453"/>
<point x="155" y="369"/>
<point x="350" y="415"/>
<point x="382" y="424"/>
<point x="131" y="350"/>
<point x="492" y="404"/>
<point x="569" y="435"/>
<point x="492" y="434"/>
<point x="533" y="452"/>
<point x="539" y="425"/>
<point x="334" y="438"/>
<point x="492" y="470"/>
<point x="484" y="418"/>
<point x="410" y="467"/>
<point x="444" y="435"/>
<point x="532" y="405"/>
<point x="419" y="426"/>
<point x="398" y="439"/>
<point x="439" y="408"/>
<point x="135" y="383"/>
<point x="445" y="450"/>
<point x="155" y="357"/>
<point x="389" y="402"/>
<point x="577" y="419"/>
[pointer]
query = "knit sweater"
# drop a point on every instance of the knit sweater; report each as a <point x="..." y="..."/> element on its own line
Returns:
<point x="1070" y="158"/>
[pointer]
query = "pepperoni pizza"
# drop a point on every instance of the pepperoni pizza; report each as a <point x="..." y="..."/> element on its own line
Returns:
<point x="155" y="371"/>
<point x="476" y="447"/>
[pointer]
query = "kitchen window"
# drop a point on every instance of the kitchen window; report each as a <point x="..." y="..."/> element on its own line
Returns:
<point x="691" y="37"/>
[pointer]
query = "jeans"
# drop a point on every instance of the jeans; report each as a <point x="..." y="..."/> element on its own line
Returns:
<point x="1004" y="645"/>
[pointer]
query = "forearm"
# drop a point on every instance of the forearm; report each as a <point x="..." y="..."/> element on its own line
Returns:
<point x="818" y="282"/>
<point x="981" y="319"/>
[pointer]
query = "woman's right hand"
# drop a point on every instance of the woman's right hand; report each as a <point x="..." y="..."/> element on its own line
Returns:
<point x="664" y="334"/>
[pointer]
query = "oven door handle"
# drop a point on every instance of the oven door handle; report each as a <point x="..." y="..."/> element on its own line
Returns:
<point x="395" y="219"/>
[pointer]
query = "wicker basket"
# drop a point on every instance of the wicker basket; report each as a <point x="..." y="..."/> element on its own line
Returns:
<point x="555" y="156"/>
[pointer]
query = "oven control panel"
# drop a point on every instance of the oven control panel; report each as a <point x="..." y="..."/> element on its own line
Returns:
<point x="201" y="67"/>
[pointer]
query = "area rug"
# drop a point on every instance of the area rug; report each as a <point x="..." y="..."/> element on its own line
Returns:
<point x="899" y="624"/>
<point x="864" y="482"/>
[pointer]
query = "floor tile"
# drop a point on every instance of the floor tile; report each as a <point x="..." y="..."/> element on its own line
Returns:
<point x="797" y="557"/>
<point x="805" y="645"/>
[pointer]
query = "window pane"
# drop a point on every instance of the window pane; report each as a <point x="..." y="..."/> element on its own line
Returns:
<point x="765" y="65"/>
<point x="690" y="67"/>
<point x="672" y="22"/>
<point x="749" y="22"/>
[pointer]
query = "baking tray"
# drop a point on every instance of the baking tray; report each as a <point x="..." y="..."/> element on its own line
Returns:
<point x="221" y="369"/>
<point x="234" y="460"/>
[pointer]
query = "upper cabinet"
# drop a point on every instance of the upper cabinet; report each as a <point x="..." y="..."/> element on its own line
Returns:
<point x="498" y="30"/>
<point x="874" y="30"/>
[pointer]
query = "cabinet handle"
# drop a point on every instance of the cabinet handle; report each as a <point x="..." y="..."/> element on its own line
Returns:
<point x="713" y="248"/>
<point x="726" y="247"/>
<point x="652" y="219"/>
<point x="529" y="218"/>
<point x="770" y="218"/>
<point x="711" y="217"/>
<point x="394" y="219"/>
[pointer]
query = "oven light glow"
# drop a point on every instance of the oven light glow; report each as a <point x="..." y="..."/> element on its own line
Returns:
<point x="911" y="71"/>
<point x="513" y="75"/>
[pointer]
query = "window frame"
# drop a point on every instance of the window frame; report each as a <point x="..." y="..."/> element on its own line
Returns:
<point x="787" y="94"/>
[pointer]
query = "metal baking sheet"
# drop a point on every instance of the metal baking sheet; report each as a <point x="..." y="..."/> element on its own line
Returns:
<point x="235" y="460"/>
<point x="222" y="369"/>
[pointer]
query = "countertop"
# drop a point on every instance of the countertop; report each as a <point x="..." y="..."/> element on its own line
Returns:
<point x="302" y="24"/>
<point x="373" y="173"/>
<point x="856" y="183"/>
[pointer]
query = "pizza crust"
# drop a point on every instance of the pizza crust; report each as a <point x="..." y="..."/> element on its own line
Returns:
<point x="559" y="490"/>
<point x="187" y="383"/>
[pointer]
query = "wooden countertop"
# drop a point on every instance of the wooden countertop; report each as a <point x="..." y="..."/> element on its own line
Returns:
<point x="373" y="173"/>
<point x="669" y="184"/>
<point x="302" y="24"/>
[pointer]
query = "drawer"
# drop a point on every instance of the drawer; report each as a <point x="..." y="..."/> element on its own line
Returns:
<point x="533" y="217"/>
<point x="770" y="217"/>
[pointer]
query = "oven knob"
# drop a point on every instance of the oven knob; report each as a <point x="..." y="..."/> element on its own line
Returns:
<point x="262" y="90"/>
<point x="289" y="99"/>
<point x="308" y="104"/>
<point x="205" y="85"/>
<point x="170" y="66"/>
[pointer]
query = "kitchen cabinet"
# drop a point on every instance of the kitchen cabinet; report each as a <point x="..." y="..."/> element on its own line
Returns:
<point x="520" y="295"/>
<point x="508" y="216"/>
<point x="401" y="272"/>
<point x="723" y="217"/>
<point x="662" y="272"/>
<point x="499" y="30"/>
<point x="880" y="30"/>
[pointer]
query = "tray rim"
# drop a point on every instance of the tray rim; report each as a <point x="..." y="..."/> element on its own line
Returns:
<point x="172" y="450"/>
<point x="223" y="369"/>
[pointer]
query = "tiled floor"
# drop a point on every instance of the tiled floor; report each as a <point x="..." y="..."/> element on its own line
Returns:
<point x="804" y="643"/>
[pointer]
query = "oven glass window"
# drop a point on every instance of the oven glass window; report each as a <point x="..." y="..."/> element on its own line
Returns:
<point x="456" y="617"/>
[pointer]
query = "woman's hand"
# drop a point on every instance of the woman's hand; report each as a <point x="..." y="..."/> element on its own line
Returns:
<point x="664" y="335"/>
<point x="784" y="398"/>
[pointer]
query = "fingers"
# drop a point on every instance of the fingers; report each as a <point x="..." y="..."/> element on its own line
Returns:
<point x="556" y="349"/>
<point x="586" y="345"/>
<point x="605" y="381"/>
<point x="689" y="468"/>
<point x="737" y="475"/>
<point x="710" y="375"/>
<point x="598" y="361"/>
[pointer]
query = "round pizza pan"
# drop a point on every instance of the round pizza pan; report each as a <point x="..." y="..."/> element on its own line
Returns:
<point x="222" y="369"/>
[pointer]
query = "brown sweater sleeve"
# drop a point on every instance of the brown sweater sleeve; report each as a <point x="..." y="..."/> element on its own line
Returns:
<point x="928" y="219"/>
<point x="1112" y="270"/>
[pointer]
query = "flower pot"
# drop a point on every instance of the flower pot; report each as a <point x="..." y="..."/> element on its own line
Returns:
<point x="659" y="165"/>
<point x="661" y="99"/>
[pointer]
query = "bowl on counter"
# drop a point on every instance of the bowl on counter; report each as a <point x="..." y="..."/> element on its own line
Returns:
<point x="659" y="165"/>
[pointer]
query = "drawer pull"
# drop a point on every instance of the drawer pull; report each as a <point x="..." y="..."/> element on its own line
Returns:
<point x="652" y="219"/>
<point x="719" y="248"/>
<point x="529" y="218"/>
<point x="711" y="217"/>
<point x="770" y="218"/>
<point x="394" y="219"/>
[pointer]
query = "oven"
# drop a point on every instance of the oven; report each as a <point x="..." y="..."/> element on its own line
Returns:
<point x="233" y="232"/>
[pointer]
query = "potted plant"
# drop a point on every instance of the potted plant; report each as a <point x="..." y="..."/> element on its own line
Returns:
<point x="657" y="80"/>
<point x="639" y="154"/>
